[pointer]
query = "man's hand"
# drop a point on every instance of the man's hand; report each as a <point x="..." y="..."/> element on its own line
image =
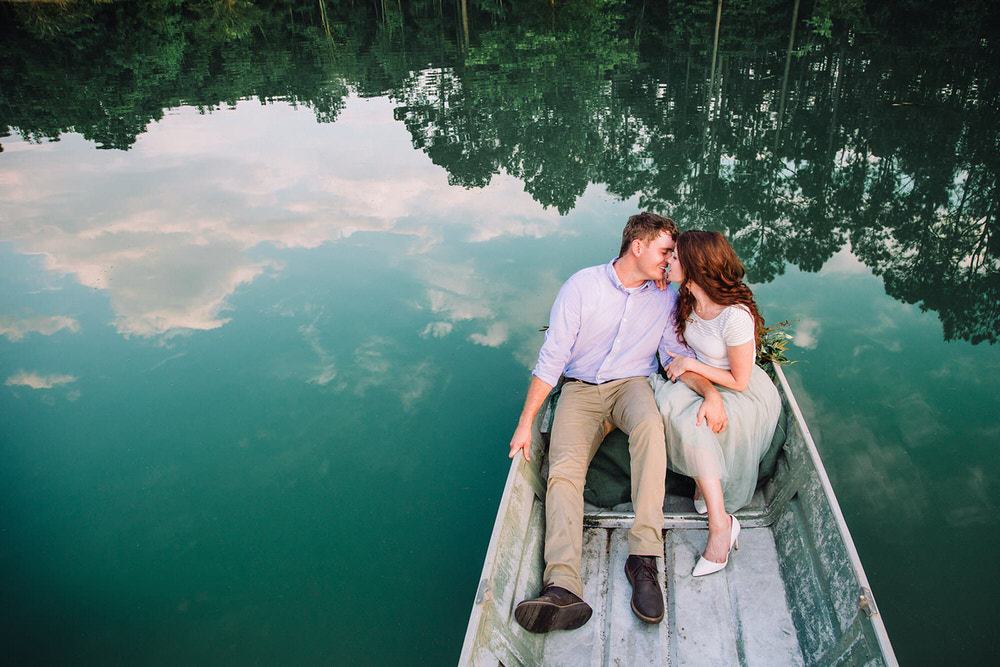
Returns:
<point x="521" y="441"/>
<point x="713" y="413"/>
<point x="538" y="391"/>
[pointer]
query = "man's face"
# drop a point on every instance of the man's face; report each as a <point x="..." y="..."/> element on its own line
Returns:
<point x="654" y="256"/>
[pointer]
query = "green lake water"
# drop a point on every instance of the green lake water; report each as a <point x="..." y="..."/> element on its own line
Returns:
<point x="272" y="277"/>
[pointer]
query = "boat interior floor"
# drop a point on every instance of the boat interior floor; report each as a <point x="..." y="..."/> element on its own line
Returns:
<point x="738" y="616"/>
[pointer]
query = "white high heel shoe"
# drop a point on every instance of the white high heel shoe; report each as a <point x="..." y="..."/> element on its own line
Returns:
<point x="705" y="566"/>
<point x="700" y="506"/>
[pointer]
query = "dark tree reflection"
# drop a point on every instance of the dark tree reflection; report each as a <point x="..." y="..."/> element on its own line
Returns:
<point x="874" y="128"/>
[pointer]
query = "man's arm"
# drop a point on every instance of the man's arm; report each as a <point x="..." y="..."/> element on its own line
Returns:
<point x="538" y="391"/>
<point x="564" y="326"/>
<point x="711" y="408"/>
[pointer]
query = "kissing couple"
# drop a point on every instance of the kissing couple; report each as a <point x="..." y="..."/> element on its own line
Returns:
<point x="709" y="413"/>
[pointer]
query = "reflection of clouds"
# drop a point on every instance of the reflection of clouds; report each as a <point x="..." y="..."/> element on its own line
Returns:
<point x="370" y="358"/>
<point x="883" y="322"/>
<point x="920" y="422"/>
<point x="379" y="363"/>
<point x="969" y="372"/>
<point x="38" y="381"/>
<point x="975" y="488"/>
<point x="880" y="472"/>
<point x="165" y="229"/>
<point x="455" y="292"/>
<point x="437" y="329"/>
<point x="883" y="327"/>
<point x="325" y="375"/>
<point x="844" y="263"/>
<point x="183" y="300"/>
<point x="16" y="329"/>
<point x="527" y="312"/>
<point x="806" y="332"/>
<point x="416" y="385"/>
<point x="871" y="469"/>
<point x="495" y="336"/>
<point x="457" y="307"/>
<point x="326" y="371"/>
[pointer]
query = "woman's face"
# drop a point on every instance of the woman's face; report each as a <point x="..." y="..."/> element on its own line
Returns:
<point x="675" y="273"/>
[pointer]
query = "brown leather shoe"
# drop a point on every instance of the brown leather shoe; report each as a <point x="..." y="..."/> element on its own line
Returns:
<point x="555" y="608"/>
<point x="647" y="598"/>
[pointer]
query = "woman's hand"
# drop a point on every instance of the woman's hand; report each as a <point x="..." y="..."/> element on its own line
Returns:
<point x="678" y="366"/>
<point x="713" y="412"/>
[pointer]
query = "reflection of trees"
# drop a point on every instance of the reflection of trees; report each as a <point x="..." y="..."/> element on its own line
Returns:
<point x="931" y="205"/>
<point x="537" y="117"/>
<point x="891" y="150"/>
<point x="107" y="70"/>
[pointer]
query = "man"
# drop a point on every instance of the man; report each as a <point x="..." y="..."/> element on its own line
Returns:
<point x="605" y="328"/>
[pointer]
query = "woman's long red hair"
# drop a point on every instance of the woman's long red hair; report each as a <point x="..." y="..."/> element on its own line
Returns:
<point x="708" y="260"/>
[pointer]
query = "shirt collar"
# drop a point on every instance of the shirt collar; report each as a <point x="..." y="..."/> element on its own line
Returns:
<point x="616" y="281"/>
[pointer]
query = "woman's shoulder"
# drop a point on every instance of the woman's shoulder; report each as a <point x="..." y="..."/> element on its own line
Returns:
<point x="737" y="324"/>
<point x="737" y="312"/>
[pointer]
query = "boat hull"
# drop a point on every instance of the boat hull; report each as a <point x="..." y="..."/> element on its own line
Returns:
<point x="795" y="593"/>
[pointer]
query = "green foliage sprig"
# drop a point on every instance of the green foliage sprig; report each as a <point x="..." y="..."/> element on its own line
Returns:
<point x="772" y="347"/>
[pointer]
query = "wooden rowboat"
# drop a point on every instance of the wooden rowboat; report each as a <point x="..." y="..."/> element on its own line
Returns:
<point x="794" y="594"/>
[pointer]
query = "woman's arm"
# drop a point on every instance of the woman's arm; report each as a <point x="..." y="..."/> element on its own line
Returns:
<point x="711" y="408"/>
<point x="736" y="378"/>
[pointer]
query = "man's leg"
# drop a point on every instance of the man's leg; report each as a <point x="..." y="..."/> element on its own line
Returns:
<point x="635" y="412"/>
<point x="576" y="434"/>
<point x="577" y="430"/>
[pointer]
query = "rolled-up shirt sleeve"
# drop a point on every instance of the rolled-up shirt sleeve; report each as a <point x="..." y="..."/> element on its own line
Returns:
<point x="564" y="326"/>
<point x="670" y="346"/>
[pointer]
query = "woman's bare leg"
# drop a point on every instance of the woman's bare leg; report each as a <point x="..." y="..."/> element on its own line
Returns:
<point x="717" y="548"/>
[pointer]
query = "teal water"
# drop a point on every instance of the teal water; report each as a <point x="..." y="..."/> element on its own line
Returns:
<point x="270" y="294"/>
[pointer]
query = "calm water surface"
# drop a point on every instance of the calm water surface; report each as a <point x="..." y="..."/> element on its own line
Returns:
<point x="269" y="304"/>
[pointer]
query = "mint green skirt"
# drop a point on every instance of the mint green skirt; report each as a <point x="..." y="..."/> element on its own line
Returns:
<point x="731" y="456"/>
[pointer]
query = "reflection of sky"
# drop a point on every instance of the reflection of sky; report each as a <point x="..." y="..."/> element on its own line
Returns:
<point x="165" y="228"/>
<point x="245" y="325"/>
<point x="899" y="413"/>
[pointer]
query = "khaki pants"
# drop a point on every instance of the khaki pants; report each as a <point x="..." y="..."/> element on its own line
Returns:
<point x="577" y="431"/>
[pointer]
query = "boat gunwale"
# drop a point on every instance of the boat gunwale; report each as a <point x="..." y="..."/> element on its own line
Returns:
<point x="513" y="475"/>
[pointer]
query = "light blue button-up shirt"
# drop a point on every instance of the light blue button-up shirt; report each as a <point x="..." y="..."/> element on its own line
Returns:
<point x="599" y="330"/>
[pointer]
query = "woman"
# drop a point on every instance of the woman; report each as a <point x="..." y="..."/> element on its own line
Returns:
<point x="718" y="319"/>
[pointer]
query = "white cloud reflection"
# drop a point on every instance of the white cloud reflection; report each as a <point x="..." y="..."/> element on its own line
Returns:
<point x="844" y="263"/>
<point x="16" y="329"/>
<point x="495" y="336"/>
<point x="806" y="333"/>
<point x="437" y="329"/>
<point x="166" y="229"/>
<point x="326" y="370"/>
<point x="37" y="381"/>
